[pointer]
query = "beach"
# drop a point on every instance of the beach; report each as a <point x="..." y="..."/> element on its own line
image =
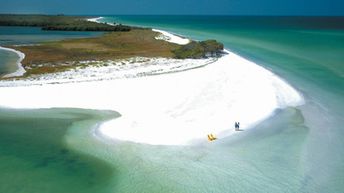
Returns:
<point x="286" y="73"/>
<point x="171" y="37"/>
<point x="96" y="19"/>
<point x="170" y="108"/>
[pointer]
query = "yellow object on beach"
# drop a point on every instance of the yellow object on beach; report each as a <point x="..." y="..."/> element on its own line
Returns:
<point x="211" y="137"/>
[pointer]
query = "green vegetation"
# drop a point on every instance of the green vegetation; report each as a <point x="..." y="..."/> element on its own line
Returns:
<point x="60" y="55"/>
<point x="199" y="49"/>
<point x="120" y="43"/>
<point x="59" y="22"/>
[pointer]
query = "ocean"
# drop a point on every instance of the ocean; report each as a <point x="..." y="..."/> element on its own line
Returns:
<point x="296" y="150"/>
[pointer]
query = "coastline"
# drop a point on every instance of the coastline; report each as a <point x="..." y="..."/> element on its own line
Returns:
<point x="183" y="107"/>
<point x="20" y="69"/>
<point x="187" y="134"/>
<point x="169" y="37"/>
<point x="111" y="70"/>
<point x="95" y="19"/>
<point x="165" y="35"/>
<point x="293" y="148"/>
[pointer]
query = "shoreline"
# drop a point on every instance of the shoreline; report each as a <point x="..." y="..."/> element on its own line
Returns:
<point x="165" y="35"/>
<point x="169" y="37"/>
<point x="286" y="96"/>
<point x="183" y="108"/>
<point x="20" y="69"/>
<point x="111" y="70"/>
<point x="95" y="19"/>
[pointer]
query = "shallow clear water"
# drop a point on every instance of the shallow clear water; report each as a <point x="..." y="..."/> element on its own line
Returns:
<point x="296" y="150"/>
<point x="34" y="156"/>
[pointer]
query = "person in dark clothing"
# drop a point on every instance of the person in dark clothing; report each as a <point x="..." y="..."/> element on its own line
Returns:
<point x="237" y="126"/>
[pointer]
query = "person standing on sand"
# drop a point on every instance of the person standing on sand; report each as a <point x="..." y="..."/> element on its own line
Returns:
<point x="237" y="126"/>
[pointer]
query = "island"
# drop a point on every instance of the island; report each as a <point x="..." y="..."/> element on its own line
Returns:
<point x="118" y="42"/>
<point x="167" y="89"/>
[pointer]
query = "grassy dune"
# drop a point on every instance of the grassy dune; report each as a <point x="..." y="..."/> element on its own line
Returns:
<point x="53" y="56"/>
<point x="118" y="42"/>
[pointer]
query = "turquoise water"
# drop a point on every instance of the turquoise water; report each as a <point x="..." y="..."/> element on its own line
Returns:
<point x="34" y="156"/>
<point x="296" y="150"/>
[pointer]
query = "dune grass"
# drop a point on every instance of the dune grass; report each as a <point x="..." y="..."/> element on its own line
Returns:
<point x="117" y="42"/>
<point x="53" y="56"/>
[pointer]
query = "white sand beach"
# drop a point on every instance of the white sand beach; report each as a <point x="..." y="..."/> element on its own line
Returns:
<point x="96" y="19"/>
<point x="112" y="69"/>
<point x="171" y="108"/>
<point x="171" y="37"/>
<point x="164" y="35"/>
